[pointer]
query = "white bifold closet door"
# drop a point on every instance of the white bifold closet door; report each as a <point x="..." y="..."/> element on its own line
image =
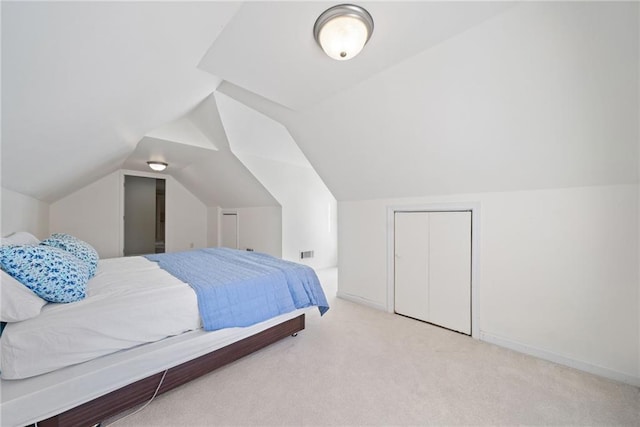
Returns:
<point x="433" y="268"/>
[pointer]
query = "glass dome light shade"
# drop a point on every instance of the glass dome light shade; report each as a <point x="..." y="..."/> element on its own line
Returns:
<point x="343" y="37"/>
<point x="157" y="166"/>
<point x="343" y="30"/>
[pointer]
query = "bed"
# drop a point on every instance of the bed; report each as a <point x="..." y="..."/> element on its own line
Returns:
<point x="140" y="326"/>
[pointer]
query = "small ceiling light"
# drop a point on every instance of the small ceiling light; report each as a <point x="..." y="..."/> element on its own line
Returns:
<point x="157" y="166"/>
<point x="343" y="30"/>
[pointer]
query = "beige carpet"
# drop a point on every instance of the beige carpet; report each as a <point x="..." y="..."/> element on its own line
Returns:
<point x="359" y="366"/>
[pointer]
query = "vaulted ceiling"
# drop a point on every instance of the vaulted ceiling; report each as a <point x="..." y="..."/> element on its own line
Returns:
<point x="92" y="87"/>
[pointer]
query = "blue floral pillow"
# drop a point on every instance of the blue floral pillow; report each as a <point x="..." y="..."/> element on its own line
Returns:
<point x="51" y="273"/>
<point x="75" y="247"/>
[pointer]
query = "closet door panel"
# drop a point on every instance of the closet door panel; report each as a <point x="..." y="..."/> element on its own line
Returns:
<point x="411" y="266"/>
<point x="450" y="270"/>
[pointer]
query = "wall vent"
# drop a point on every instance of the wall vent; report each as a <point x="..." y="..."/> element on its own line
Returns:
<point x="306" y="254"/>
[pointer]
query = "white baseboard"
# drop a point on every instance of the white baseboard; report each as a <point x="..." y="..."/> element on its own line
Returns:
<point x="562" y="360"/>
<point x="360" y="300"/>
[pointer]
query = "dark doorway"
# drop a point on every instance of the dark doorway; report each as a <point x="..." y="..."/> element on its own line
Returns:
<point x="144" y="215"/>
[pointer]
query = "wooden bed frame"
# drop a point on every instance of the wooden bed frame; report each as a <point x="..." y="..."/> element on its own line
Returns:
<point x="127" y="397"/>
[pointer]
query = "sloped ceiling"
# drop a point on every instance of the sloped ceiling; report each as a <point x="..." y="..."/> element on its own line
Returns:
<point x="254" y="134"/>
<point x="543" y="95"/>
<point x="269" y="49"/>
<point x="83" y="82"/>
<point x="221" y="178"/>
<point x="446" y="97"/>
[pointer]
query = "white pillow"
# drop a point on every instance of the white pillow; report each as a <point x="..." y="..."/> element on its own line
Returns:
<point x="17" y="302"/>
<point x="20" y="238"/>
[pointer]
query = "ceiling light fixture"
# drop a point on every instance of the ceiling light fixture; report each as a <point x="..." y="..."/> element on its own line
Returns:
<point x="343" y="30"/>
<point x="157" y="166"/>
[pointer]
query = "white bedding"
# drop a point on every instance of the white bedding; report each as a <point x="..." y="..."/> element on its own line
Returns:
<point x="130" y="301"/>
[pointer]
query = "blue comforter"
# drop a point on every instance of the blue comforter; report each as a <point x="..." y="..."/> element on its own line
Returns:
<point x="239" y="288"/>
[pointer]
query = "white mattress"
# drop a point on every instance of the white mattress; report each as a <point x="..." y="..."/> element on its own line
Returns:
<point x="130" y="301"/>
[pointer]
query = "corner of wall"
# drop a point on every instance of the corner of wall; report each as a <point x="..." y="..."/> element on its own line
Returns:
<point x="213" y="226"/>
<point x="23" y="213"/>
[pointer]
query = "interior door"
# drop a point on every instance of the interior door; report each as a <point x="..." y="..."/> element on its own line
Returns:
<point x="144" y="215"/>
<point x="450" y="270"/>
<point x="139" y="215"/>
<point x="411" y="264"/>
<point x="433" y="268"/>
<point x="230" y="230"/>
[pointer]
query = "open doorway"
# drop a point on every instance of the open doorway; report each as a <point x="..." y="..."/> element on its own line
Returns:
<point x="144" y="215"/>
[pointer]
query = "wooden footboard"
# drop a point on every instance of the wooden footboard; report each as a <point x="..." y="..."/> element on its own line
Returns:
<point x="127" y="397"/>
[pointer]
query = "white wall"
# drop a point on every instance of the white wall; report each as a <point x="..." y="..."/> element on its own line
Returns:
<point x="260" y="229"/>
<point x="269" y="151"/>
<point x="558" y="270"/>
<point x="186" y="218"/>
<point x="94" y="214"/>
<point x="213" y="231"/>
<point x="309" y="210"/>
<point x="23" y="213"/>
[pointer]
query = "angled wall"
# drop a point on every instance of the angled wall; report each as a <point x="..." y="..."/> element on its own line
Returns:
<point x="23" y="213"/>
<point x="267" y="149"/>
